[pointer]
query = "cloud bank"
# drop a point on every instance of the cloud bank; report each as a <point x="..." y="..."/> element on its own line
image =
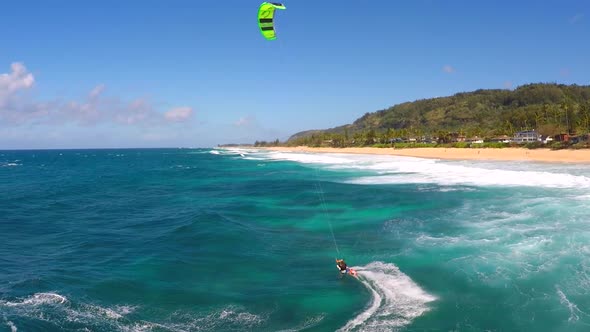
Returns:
<point x="19" y="78"/>
<point x="18" y="108"/>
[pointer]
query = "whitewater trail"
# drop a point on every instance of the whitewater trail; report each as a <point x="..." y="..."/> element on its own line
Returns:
<point x="396" y="299"/>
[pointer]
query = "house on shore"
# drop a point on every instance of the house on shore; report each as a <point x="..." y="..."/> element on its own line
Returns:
<point x="527" y="136"/>
<point x="563" y="137"/>
<point x="474" y="140"/>
<point x="457" y="137"/>
<point x="571" y="138"/>
<point x="501" y="139"/>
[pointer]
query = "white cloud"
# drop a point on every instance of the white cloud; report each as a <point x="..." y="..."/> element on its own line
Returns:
<point x="178" y="114"/>
<point x="93" y="110"/>
<point x="17" y="79"/>
<point x="448" y="69"/>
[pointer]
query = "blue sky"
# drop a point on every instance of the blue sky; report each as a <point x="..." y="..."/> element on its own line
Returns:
<point x="77" y="74"/>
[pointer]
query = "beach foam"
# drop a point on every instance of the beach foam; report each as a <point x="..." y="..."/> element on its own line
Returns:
<point x="313" y="158"/>
<point x="400" y="170"/>
<point x="451" y="174"/>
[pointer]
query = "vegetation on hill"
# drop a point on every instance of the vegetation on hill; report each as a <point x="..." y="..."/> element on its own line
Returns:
<point x="550" y="109"/>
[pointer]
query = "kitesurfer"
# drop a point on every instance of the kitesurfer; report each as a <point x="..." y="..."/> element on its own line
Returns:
<point x="344" y="268"/>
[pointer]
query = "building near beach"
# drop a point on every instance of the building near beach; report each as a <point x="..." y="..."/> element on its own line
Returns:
<point x="474" y="140"/>
<point x="563" y="137"/>
<point x="526" y="136"/>
<point x="501" y="139"/>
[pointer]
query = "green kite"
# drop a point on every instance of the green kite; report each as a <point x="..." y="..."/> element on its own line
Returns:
<point x="266" y="14"/>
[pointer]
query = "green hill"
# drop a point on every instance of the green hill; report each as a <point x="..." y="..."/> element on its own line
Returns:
<point x="547" y="108"/>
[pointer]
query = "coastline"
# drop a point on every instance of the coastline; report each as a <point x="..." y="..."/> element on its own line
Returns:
<point x="504" y="154"/>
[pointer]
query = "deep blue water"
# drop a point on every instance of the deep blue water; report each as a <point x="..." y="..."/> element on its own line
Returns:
<point x="241" y="240"/>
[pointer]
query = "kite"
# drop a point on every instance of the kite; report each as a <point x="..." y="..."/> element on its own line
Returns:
<point x="266" y="14"/>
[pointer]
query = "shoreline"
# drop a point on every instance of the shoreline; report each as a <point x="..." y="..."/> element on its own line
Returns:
<point x="503" y="154"/>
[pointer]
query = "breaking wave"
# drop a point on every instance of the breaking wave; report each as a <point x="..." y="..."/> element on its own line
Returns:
<point x="402" y="170"/>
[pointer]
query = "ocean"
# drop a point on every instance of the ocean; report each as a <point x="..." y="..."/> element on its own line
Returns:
<point x="246" y="240"/>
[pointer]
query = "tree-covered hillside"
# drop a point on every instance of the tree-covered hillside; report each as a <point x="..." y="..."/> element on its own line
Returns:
<point x="548" y="108"/>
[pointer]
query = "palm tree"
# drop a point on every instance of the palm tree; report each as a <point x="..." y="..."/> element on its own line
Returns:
<point x="565" y="107"/>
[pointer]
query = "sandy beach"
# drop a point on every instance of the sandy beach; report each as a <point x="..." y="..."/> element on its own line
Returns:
<point x="507" y="154"/>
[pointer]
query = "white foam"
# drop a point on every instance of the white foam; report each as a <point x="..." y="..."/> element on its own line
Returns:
<point x="308" y="323"/>
<point x="237" y="150"/>
<point x="37" y="300"/>
<point x="93" y="316"/>
<point x="401" y="170"/>
<point x="12" y="326"/>
<point x="235" y="315"/>
<point x="225" y="319"/>
<point x="106" y="312"/>
<point x="241" y="152"/>
<point x="62" y="310"/>
<point x="396" y="299"/>
<point x="428" y="240"/>
<point x="125" y="309"/>
<point x="450" y="174"/>
<point x="9" y="164"/>
<point x="312" y="158"/>
<point x="572" y="307"/>
<point x="149" y="326"/>
<point x="582" y="197"/>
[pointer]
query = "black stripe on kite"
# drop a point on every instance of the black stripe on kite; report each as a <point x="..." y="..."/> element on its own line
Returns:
<point x="265" y="20"/>
<point x="266" y="28"/>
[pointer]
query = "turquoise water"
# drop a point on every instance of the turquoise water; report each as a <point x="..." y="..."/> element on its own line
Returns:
<point x="240" y="240"/>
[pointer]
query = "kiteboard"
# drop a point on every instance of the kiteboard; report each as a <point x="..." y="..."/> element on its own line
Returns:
<point x="348" y="271"/>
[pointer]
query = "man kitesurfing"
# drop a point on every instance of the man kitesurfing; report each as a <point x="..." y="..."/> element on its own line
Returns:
<point x="340" y="263"/>
<point x="344" y="269"/>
